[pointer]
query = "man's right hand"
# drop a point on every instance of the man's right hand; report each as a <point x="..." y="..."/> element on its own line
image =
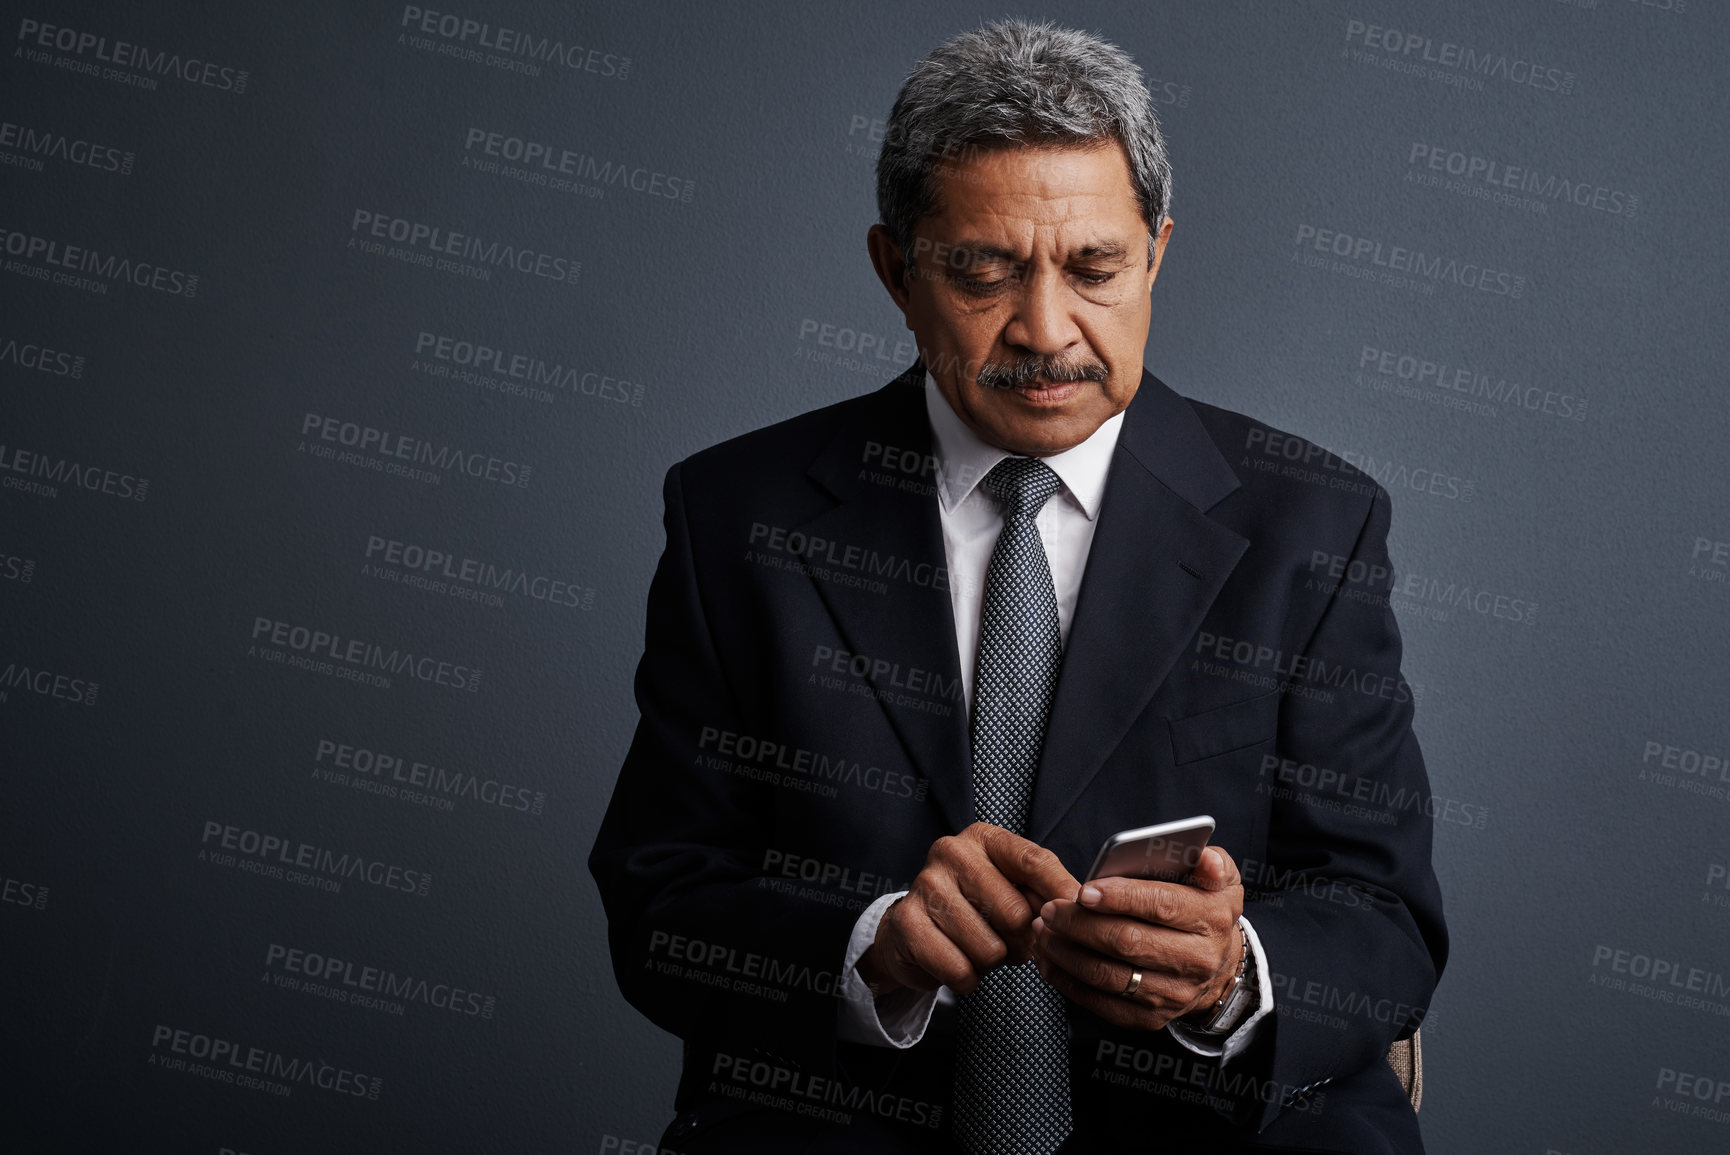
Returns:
<point x="970" y="909"/>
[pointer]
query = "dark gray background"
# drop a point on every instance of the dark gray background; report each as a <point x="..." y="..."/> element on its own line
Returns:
<point x="714" y="307"/>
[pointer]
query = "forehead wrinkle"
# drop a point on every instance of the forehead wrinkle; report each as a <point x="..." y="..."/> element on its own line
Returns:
<point x="1093" y="250"/>
<point x="1076" y="235"/>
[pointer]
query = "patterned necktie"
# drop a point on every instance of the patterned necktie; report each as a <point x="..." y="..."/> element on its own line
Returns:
<point x="1012" y="1065"/>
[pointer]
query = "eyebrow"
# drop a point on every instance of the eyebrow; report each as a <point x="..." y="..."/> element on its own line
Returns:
<point x="1103" y="251"/>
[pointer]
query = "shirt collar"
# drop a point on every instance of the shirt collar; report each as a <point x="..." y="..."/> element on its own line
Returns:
<point x="964" y="458"/>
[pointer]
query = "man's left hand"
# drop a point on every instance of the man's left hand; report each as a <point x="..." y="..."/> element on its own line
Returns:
<point x="1183" y="938"/>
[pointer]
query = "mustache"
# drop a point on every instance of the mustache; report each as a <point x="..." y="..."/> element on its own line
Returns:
<point x="1024" y="371"/>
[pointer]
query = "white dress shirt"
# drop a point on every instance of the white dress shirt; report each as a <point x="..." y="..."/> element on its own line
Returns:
<point x="971" y="521"/>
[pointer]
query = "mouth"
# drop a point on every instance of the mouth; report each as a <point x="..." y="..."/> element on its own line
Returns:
<point x="1044" y="392"/>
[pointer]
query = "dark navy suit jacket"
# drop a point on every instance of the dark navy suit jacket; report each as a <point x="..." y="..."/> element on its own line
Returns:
<point x="803" y="742"/>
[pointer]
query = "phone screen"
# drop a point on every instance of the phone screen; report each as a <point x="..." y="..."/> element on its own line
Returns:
<point x="1167" y="852"/>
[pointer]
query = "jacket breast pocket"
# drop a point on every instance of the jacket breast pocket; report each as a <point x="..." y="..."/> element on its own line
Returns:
<point x="1224" y="728"/>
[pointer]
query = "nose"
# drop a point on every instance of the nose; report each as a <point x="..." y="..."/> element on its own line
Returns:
<point x="1042" y="322"/>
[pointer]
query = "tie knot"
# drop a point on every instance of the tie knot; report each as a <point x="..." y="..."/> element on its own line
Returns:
<point x="1022" y="485"/>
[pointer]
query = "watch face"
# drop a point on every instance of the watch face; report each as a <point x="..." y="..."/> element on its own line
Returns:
<point x="1242" y="996"/>
<point x="1222" y="1021"/>
<point x="1235" y="1008"/>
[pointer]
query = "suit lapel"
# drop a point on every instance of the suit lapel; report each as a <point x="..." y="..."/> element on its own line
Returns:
<point x="1156" y="565"/>
<point x="912" y="626"/>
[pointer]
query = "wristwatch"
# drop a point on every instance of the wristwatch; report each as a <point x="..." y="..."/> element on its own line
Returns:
<point x="1229" y="1009"/>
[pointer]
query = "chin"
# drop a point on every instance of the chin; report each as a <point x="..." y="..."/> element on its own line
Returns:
<point x="1052" y="434"/>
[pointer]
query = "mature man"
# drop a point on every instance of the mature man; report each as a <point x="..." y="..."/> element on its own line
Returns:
<point x="912" y="657"/>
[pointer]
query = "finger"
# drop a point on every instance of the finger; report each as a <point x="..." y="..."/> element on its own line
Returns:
<point x="1000" y="902"/>
<point x="955" y="917"/>
<point x="1111" y="976"/>
<point x="1021" y="943"/>
<point x="923" y="957"/>
<point x="1132" y="941"/>
<point x="1171" y="904"/>
<point x="1128" y="940"/>
<point x="963" y="861"/>
<point x="1215" y="871"/>
<point x="1118" y="1011"/>
<point x="1027" y="863"/>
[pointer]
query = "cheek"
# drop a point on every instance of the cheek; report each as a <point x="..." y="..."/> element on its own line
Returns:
<point x="1124" y="347"/>
<point x="959" y="346"/>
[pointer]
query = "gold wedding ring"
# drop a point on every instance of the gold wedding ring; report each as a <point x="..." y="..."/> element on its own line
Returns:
<point x="1128" y="992"/>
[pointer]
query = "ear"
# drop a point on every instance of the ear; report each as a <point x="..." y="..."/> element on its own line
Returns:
<point x="892" y="268"/>
<point x="1159" y="240"/>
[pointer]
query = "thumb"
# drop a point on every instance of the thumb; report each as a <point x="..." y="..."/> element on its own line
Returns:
<point x="1215" y="870"/>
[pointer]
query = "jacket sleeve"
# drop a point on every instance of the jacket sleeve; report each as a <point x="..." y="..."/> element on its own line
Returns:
<point x="700" y="943"/>
<point x="1347" y="903"/>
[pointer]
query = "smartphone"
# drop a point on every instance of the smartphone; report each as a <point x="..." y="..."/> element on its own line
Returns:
<point x="1167" y="852"/>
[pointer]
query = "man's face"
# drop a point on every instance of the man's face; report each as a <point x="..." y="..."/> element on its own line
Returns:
<point x="1028" y="291"/>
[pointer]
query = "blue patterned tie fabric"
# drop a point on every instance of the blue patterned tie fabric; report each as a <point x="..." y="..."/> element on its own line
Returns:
<point x="1012" y="1066"/>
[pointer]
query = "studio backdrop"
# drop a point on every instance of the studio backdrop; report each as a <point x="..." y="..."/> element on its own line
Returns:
<point x="344" y="348"/>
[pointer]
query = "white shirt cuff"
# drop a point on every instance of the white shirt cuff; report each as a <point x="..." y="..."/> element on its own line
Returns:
<point x="897" y="1019"/>
<point x="1233" y="1044"/>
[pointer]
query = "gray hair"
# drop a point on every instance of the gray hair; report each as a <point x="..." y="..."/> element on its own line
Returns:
<point x="1014" y="82"/>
